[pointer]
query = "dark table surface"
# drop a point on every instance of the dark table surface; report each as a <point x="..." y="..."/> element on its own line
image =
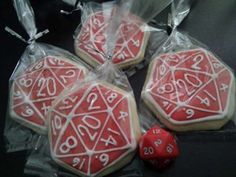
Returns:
<point x="212" y="22"/>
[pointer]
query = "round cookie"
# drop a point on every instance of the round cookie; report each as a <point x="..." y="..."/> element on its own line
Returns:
<point x="33" y="90"/>
<point x="190" y="90"/>
<point x="94" y="129"/>
<point x="129" y="48"/>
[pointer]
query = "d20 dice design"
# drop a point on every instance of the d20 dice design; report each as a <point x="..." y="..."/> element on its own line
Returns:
<point x="158" y="147"/>
<point x="190" y="90"/>
<point x="131" y="41"/>
<point x="100" y="132"/>
<point x="34" y="90"/>
<point x="157" y="143"/>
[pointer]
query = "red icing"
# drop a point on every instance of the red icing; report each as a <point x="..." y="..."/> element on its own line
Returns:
<point x="39" y="85"/>
<point x="189" y="85"/>
<point x="102" y="136"/>
<point x="92" y="38"/>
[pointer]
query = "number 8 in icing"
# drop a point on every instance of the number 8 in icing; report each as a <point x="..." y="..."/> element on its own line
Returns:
<point x="203" y="86"/>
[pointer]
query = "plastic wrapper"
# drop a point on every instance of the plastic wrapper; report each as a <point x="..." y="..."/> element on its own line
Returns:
<point x="134" y="38"/>
<point x="187" y="87"/>
<point x="41" y="74"/>
<point x="93" y="127"/>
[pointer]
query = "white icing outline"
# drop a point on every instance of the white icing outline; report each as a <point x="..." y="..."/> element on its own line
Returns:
<point x="221" y="114"/>
<point x="129" y="146"/>
<point x="92" y="60"/>
<point x="22" y="120"/>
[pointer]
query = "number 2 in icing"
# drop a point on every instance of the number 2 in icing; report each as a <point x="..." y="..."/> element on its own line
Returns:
<point x="92" y="98"/>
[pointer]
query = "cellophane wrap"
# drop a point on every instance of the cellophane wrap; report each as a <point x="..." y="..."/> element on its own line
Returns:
<point x="42" y="72"/>
<point x="187" y="87"/>
<point x="134" y="36"/>
<point x="93" y="127"/>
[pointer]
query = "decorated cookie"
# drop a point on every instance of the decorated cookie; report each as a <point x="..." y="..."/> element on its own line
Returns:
<point x="130" y="45"/>
<point x="33" y="91"/>
<point x="94" y="130"/>
<point x="190" y="90"/>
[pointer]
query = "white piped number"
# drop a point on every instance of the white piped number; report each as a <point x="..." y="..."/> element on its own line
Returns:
<point x="148" y="150"/>
<point x="104" y="158"/>
<point x="69" y="144"/>
<point x="66" y="102"/>
<point x="136" y="43"/>
<point x="110" y="139"/>
<point x="223" y="87"/>
<point x="172" y="58"/>
<point x="25" y="82"/>
<point x="181" y="83"/>
<point x="45" y="83"/>
<point x="188" y="77"/>
<point x="166" y="105"/>
<point x="39" y="65"/>
<point x="97" y="22"/>
<point x="56" y="124"/>
<point x="18" y="95"/>
<point x="92" y="98"/>
<point x="217" y="65"/>
<point x="123" y="115"/>
<point x="28" y="112"/>
<point x="112" y="97"/>
<point x="76" y="161"/>
<point x="55" y="61"/>
<point x="68" y="74"/>
<point x="198" y="59"/>
<point x="190" y="113"/>
<point x="166" y="88"/>
<point x="122" y="55"/>
<point x="162" y="69"/>
<point x="88" y="125"/>
<point x="206" y="100"/>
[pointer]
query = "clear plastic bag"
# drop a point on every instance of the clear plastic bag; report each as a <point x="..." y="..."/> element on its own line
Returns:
<point x="131" y="48"/>
<point x="187" y="88"/>
<point x="41" y="74"/>
<point x="93" y="127"/>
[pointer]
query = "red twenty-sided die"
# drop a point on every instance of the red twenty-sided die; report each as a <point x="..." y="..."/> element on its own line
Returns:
<point x="158" y="147"/>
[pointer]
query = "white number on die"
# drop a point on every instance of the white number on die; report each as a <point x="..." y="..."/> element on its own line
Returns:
<point x="123" y="115"/>
<point x="197" y="59"/>
<point x="148" y="150"/>
<point x="88" y="125"/>
<point x="45" y="83"/>
<point x="190" y="113"/>
<point x="77" y="161"/>
<point x="56" y="124"/>
<point x="68" y="74"/>
<point x="104" y="158"/>
<point x="166" y="88"/>
<point x="28" y="112"/>
<point x="91" y="99"/>
<point x="25" y="82"/>
<point x="70" y="143"/>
